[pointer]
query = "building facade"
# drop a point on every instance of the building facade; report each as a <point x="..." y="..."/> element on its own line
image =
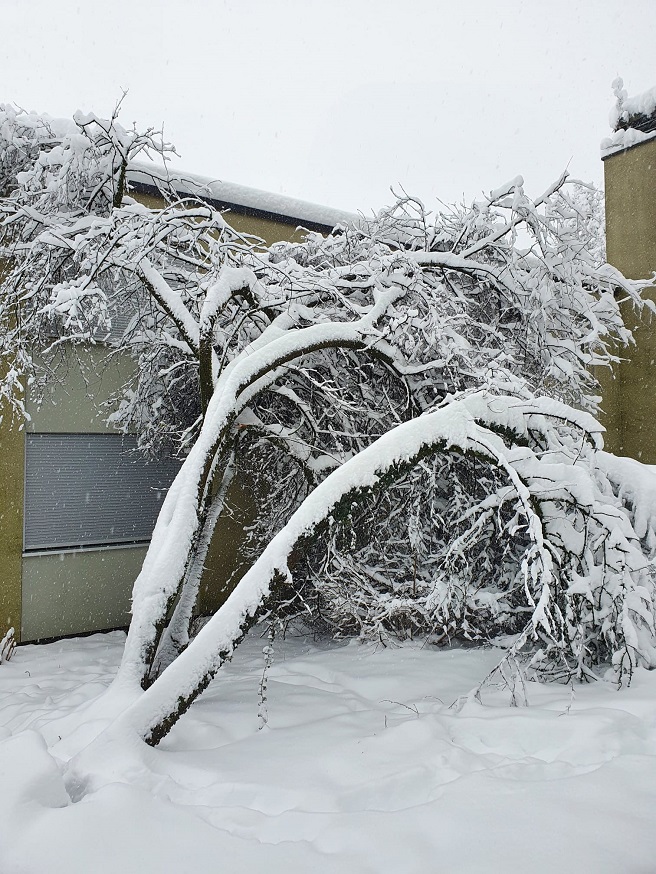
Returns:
<point x="629" y="396"/>
<point x="77" y="502"/>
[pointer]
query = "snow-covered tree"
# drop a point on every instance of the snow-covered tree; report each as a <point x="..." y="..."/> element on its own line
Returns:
<point x="412" y="397"/>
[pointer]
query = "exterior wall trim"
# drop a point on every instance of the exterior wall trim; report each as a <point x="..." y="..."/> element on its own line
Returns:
<point x="620" y="151"/>
<point x="66" y="550"/>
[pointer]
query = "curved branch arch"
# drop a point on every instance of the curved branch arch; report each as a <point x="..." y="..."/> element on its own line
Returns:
<point x="457" y="428"/>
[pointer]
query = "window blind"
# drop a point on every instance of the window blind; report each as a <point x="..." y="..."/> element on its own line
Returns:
<point x="90" y="489"/>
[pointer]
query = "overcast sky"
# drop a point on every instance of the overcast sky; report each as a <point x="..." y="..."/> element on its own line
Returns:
<point x="336" y="101"/>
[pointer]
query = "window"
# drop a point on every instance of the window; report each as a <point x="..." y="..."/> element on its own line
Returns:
<point x="90" y="490"/>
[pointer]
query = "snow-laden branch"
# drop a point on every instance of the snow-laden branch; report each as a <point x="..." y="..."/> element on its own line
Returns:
<point x="516" y="220"/>
<point x="457" y="427"/>
<point x="165" y="563"/>
<point x="230" y="281"/>
<point x="171" y="304"/>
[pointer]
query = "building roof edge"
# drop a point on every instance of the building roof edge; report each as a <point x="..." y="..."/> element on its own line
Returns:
<point x="146" y="178"/>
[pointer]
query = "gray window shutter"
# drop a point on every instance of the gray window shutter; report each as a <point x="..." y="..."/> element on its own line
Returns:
<point x="90" y="489"/>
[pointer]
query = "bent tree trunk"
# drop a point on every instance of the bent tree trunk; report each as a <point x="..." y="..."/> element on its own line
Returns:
<point x="170" y="556"/>
<point x="175" y="637"/>
<point x="450" y="429"/>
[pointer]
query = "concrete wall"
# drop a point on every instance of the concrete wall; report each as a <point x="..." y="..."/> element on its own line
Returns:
<point x="12" y="457"/>
<point x="85" y="377"/>
<point x="71" y="590"/>
<point x="630" y="400"/>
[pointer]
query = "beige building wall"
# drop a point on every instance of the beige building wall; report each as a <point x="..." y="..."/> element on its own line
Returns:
<point x="12" y="459"/>
<point x="84" y="377"/>
<point x="74" y="591"/>
<point x="67" y="591"/>
<point x="630" y="398"/>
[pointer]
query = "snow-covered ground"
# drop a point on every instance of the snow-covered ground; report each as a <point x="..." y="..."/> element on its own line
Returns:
<point x="362" y="767"/>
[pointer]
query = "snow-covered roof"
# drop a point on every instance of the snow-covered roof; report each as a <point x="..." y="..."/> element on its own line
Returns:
<point x="632" y="119"/>
<point x="241" y="199"/>
<point x="622" y="140"/>
<point x="149" y="177"/>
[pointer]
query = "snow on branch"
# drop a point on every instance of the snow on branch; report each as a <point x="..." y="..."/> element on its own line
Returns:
<point x="470" y="426"/>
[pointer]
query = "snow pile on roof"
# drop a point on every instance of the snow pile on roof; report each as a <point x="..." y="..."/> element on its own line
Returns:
<point x="229" y="194"/>
<point x="633" y="119"/>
